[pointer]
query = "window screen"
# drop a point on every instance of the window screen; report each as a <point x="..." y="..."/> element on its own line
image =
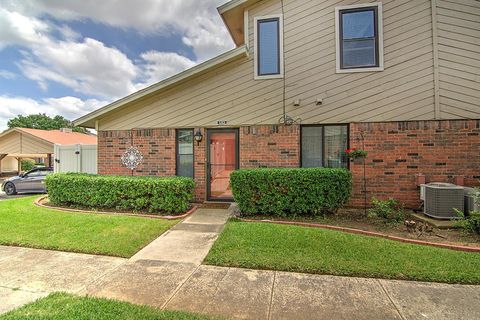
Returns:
<point x="324" y="146"/>
<point x="358" y="38"/>
<point x="185" y="153"/>
<point x="268" y="47"/>
<point x="312" y="147"/>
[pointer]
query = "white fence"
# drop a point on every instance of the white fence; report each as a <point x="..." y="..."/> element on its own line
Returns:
<point x="76" y="158"/>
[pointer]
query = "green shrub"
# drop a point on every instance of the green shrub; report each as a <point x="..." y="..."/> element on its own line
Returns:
<point x="291" y="191"/>
<point x="390" y="210"/>
<point x="471" y="223"/>
<point x="27" y="165"/>
<point x="145" y="194"/>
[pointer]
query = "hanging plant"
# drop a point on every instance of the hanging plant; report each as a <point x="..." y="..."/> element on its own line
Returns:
<point x="356" y="153"/>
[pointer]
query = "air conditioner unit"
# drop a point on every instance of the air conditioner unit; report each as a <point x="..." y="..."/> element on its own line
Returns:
<point x="469" y="200"/>
<point x="442" y="198"/>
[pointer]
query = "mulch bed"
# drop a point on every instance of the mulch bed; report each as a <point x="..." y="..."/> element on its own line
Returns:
<point x="43" y="202"/>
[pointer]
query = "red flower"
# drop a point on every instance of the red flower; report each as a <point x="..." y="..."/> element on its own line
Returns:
<point x="347" y="151"/>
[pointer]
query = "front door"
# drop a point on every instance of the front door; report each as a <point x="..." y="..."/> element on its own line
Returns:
<point x="222" y="159"/>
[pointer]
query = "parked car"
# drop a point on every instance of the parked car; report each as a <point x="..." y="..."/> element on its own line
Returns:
<point x="32" y="181"/>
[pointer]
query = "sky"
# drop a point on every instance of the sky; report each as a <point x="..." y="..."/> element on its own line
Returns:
<point x="70" y="57"/>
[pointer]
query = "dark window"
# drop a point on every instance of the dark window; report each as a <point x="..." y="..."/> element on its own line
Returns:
<point x="358" y="38"/>
<point x="324" y="146"/>
<point x="268" y="46"/>
<point x="185" y="153"/>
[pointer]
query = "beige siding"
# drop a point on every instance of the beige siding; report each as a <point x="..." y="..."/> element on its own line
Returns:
<point x="32" y="145"/>
<point x="16" y="143"/>
<point x="10" y="143"/>
<point x="9" y="164"/>
<point x="403" y="91"/>
<point x="459" y="58"/>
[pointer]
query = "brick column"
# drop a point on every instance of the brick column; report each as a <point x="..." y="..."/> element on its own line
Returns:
<point x="200" y="163"/>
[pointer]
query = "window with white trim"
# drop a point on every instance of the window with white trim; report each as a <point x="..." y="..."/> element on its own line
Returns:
<point x="269" y="47"/>
<point x="359" y="38"/>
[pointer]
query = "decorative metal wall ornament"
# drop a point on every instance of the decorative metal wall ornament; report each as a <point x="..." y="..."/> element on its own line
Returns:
<point x="132" y="158"/>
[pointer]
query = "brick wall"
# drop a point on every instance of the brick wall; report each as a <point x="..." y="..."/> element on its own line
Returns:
<point x="156" y="145"/>
<point x="199" y="158"/>
<point x="269" y="146"/>
<point x="399" y="151"/>
<point x="260" y="146"/>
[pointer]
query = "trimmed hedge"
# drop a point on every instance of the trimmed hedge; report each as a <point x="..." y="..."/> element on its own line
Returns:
<point x="291" y="191"/>
<point x="144" y="194"/>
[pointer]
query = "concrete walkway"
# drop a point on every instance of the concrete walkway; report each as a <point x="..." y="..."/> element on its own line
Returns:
<point x="168" y="274"/>
<point x="189" y="241"/>
<point x="29" y="274"/>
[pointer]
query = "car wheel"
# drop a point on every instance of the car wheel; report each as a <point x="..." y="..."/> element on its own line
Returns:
<point x="10" y="189"/>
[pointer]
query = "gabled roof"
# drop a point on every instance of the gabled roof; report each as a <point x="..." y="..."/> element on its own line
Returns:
<point x="89" y="119"/>
<point x="56" y="136"/>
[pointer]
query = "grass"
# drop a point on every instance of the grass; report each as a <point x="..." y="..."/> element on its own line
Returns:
<point x="61" y="306"/>
<point x="24" y="224"/>
<point x="301" y="249"/>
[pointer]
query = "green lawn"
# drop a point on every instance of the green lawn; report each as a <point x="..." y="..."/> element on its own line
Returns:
<point x="300" y="249"/>
<point x="24" y="224"/>
<point x="61" y="306"/>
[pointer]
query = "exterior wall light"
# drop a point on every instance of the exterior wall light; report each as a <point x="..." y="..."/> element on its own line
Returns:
<point x="198" y="137"/>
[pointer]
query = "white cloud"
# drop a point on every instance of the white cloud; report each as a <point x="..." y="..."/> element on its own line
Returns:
<point x="69" y="107"/>
<point x="88" y="67"/>
<point x="160" y="65"/>
<point x="68" y="33"/>
<point x="7" y="74"/>
<point x="197" y="20"/>
<point x="19" y="29"/>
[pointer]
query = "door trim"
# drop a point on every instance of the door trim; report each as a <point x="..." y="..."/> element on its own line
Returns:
<point x="208" y="167"/>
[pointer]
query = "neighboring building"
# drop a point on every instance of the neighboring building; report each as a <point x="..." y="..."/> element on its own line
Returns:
<point x="23" y="143"/>
<point x="307" y="80"/>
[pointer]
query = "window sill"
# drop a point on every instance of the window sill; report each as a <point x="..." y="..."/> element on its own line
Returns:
<point x="272" y="76"/>
<point x="353" y="70"/>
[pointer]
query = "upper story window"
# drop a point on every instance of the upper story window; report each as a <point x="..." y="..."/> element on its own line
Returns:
<point x="359" y="38"/>
<point x="269" y="47"/>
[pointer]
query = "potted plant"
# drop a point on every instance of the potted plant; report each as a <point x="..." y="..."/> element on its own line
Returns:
<point x="356" y="153"/>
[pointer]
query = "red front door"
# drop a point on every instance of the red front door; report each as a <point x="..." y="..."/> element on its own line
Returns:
<point x="222" y="159"/>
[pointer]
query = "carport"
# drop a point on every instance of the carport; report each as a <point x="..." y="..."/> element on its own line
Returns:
<point x="22" y="143"/>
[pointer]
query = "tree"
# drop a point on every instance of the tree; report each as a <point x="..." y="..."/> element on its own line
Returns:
<point x="43" y="122"/>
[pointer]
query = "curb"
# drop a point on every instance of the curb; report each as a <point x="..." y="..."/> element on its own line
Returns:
<point x="371" y="234"/>
<point x="39" y="203"/>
